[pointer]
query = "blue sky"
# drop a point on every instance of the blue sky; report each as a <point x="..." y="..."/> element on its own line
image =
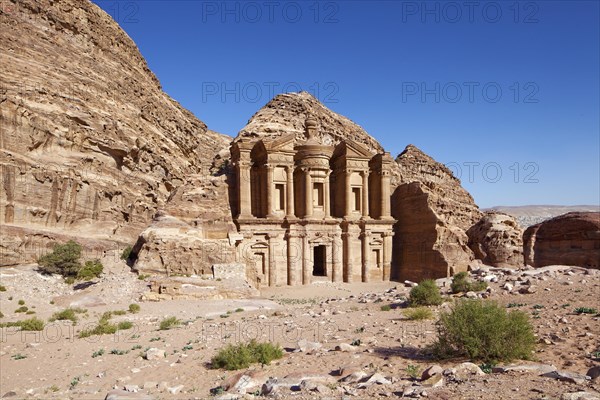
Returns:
<point x="506" y="93"/>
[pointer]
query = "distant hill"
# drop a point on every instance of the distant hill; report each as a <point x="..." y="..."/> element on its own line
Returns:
<point x="533" y="214"/>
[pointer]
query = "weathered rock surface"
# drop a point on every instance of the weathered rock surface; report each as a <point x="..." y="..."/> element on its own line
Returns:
<point x="286" y="114"/>
<point x="170" y="246"/>
<point x="569" y="239"/>
<point x="497" y="240"/>
<point x="433" y="212"/>
<point x="90" y="145"/>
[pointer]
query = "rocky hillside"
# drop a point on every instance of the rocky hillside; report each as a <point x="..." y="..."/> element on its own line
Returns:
<point x="90" y="145"/>
<point x="286" y="113"/>
<point x="534" y="214"/>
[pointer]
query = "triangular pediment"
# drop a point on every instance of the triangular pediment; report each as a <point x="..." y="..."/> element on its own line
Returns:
<point x="352" y="149"/>
<point x="283" y="143"/>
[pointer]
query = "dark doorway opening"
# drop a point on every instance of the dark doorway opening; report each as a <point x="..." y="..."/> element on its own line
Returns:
<point x="319" y="261"/>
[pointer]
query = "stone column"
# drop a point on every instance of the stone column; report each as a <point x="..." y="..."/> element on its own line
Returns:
<point x="326" y="199"/>
<point x="385" y="195"/>
<point x="365" y="194"/>
<point x="348" y="194"/>
<point x="294" y="260"/>
<point x="387" y="255"/>
<point x="309" y="194"/>
<point x="306" y="261"/>
<point x="337" y="269"/>
<point x="289" y="204"/>
<point x="269" y="191"/>
<point x="365" y="256"/>
<point x="348" y="261"/>
<point x="244" y="189"/>
<point x="272" y="273"/>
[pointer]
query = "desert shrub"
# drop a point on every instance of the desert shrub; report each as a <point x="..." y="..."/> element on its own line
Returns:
<point x="2" y="288"/>
<point x="586" y="310"/>
<point x="21" y="302"/>
<point x="242" y="355"/>
<point x="32" y="324"/>
<point x="126" y="253"/>
<point x="169" y="323"/>
<point x="412" y="371"/>
<point x="1" y="315"/>
<point x="418" y="313"/>
<point x="21" y="309"/>
<point x="425" y="293"/>
<point x="67" y="314"/>
<point x="118" y="312"/>
<point x="104" y="326"/>
<point x="386" y="307"/>
<point x="124" y="325"/>
<point x="91" y="270"/>
<point x="461" y="284"/>
<point x="134" y="308"/>
<point x="63" y="260"/>
<point x="483" y="330"/>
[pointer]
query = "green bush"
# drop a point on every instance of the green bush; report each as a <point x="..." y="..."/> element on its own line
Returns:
<point x="586" y="310"/>
<point x="126" y="253"/>
<point x="169" y="323"/>
<point x="21" y="302"/>
<point x="425" y="293"/>
<point x="483" y="330"/>
<point x="63" y="260"/>
<point x="32" y="324"/>
<point x="461" y="284"/>
<point x="418" y="313"/>
<point x="242" y="355"/>
<point x="134" y="308"/>
<point x="123" y="325"/>
<point x="67" y="314"/>
<point x="91" y="269"/>
<point x="104" y="326"/>
<point x="386" y="307"/>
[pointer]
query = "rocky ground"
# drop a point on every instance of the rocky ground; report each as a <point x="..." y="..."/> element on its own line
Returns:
<point x="339" y="341"/>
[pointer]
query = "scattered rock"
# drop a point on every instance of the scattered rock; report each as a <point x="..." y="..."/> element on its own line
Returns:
<point x="431" y="371"/>
<point x="305" y="346"/>
<point x="154" y="354"/>
<point x="566" y="376"/>
<point x="125" y="395"/>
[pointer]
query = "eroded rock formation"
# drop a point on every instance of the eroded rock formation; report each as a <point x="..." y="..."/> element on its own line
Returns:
<point x="170" y="246"/>
<point x="433" y="212"/>
<point x="90" y="145"/>
<point x="497" y="240"/>
<point x="569" y="239"/>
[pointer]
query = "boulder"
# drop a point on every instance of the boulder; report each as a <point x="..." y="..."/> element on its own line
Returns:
<point x="497" y="240"/>
<point x="433" y="212"/>
<point x="170" y="246"/>
<point x="154" y="354"/>
<point x="125" y="395"/>
<point x="569" y="239"/>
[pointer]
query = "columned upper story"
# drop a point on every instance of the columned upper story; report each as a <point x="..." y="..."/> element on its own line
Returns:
<point x="279" y="179"/>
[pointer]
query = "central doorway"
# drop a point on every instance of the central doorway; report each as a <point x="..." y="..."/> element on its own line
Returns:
<point x="319" y="261"/>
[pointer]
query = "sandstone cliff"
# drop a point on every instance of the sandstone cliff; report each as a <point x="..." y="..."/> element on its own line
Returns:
<point x="497" y="240"/>
<point x="433" y="212"/>
<point x="569" y="239"/>
<point x="90" y="145"/>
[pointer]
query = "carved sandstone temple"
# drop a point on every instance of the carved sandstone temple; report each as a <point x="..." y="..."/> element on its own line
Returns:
<point x="312" y="210"/>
